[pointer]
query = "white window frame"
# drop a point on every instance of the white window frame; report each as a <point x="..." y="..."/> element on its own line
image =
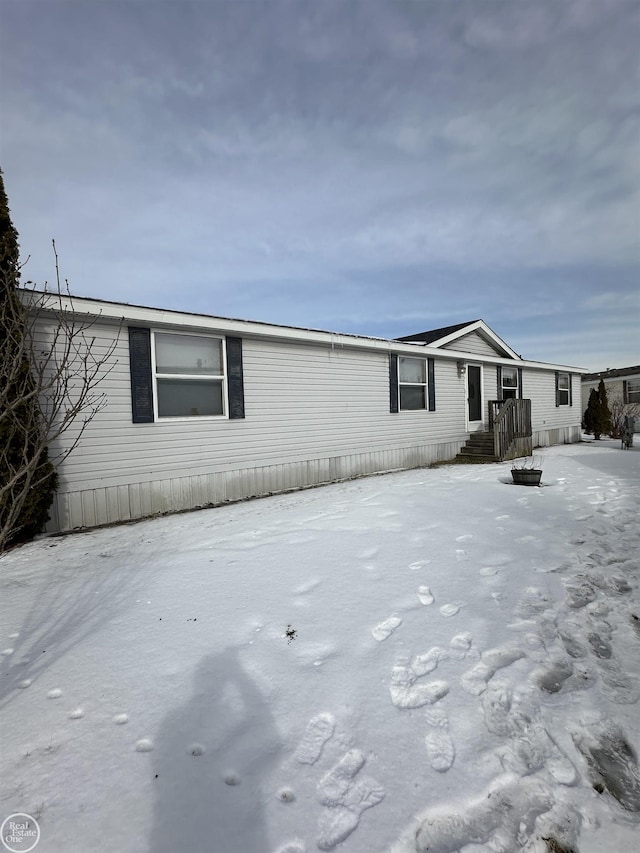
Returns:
<point x="510" y="388"/>
<point x="424" y="384"/>
<point x="633" y="394"/>
<point x="189" y="377"/>
<point x="564" y="391"/>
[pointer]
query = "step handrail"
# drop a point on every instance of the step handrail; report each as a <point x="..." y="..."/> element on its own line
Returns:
<point x="509" y="420"/>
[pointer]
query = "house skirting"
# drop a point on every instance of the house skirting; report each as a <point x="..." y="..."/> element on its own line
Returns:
<point x="559" y="435"/>
<point x="94" y="507"/>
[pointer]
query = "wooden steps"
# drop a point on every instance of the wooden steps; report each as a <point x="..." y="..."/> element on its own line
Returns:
<point x="478" y="449"/>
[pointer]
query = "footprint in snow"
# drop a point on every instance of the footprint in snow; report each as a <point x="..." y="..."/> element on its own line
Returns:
<point x="440" y="748"/>
<point x="385" y="629"/>
<point x="56" y="693"/>
<point x="319" y="729"/>
<point x="448" y="610"/>
<point x="600" y="646"/>
<point x="405" y="693"/>
<point x="612" y="762"/>
<point x="460" y="645"/>
<point x="294" y="846"/>
<point x="529" y="748"/>
<point x="534" y="601"/>
<point x="475" y="680"/>
<point x="121" y="719"/>
<point x="505" y="812"/>
<point x="488" y="571"/>
<point x="496" y="703"/>
<point x="144" y="745"/>
<point x="285" y="795"/>
<point x="623" y="689"/>
<point x="418" y="564"/>
<point x="424" y="595"/>
<point x="552" y="678"/>
<point x="346" y="798"/>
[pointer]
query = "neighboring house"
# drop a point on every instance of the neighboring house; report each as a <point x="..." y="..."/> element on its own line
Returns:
<point x="622" y="384"/>
<point x="201" y="410"/>
<point x="623" y="395"/>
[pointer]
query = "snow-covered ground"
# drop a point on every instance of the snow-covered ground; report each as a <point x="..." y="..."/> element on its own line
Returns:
<point x="434" y="660"/>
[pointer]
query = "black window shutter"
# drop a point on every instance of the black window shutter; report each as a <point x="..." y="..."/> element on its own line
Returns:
<point x="141" y="380"/>
<point x="393" y="383"/>
<point x="235" y="378"/>
<point x="625" y="391"/>
<point x="431" y="388"/>
<point x="570" y="389"/>
<point x="499" y="381"/>
<point x="557" y="391"/>
<point x="520" y="394"/>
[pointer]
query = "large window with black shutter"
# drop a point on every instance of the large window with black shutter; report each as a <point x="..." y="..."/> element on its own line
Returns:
<point x="189" y="375"/>
<point x="411" y="384"/>
<point x="176" y="375"/>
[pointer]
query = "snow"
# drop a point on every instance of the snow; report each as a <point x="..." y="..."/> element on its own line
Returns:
<point x="433" y="660"/>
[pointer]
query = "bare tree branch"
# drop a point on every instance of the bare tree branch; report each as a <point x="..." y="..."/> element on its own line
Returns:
<point x="48" y="352"/>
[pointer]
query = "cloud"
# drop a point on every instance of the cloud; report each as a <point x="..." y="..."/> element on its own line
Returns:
<point x="330" y="163"/>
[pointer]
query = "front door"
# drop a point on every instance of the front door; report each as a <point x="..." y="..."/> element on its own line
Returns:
<point x="474" y="398"/>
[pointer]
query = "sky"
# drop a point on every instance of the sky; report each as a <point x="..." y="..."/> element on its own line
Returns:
<point x="380" y="167"/>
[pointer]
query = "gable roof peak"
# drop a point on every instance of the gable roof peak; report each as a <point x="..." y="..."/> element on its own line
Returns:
<point x="432" y="335"/>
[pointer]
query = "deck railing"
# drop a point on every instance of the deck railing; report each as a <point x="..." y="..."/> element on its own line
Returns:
<point x="510" y="422"/>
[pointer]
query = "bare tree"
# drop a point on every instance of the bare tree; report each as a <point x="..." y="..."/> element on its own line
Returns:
<point x="47" y="351"/>
<point x="619" y="411"/>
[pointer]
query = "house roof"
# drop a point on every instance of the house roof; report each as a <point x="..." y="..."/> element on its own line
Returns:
<point x="125" y="313"/>
<point x="612" y="374"/>
<point x="436" y="334"/>
<point x="448" y="335"/>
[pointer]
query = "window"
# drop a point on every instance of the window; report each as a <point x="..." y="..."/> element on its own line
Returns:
<point x="509" y="383"/>
<point x="177" y="375"/>
<point x="632" y="387"/>
<point x="189" y="375"/>
<point x="412" y="380"/>
<point x="563" y="392"/>
<point x="412" y="384"/>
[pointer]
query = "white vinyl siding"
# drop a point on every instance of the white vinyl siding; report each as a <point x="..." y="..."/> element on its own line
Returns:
<point x="473" y="343"/>
<point x="302" y="402"/>
<point x="314" y="413"/>
<point x="550" y="423"/>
